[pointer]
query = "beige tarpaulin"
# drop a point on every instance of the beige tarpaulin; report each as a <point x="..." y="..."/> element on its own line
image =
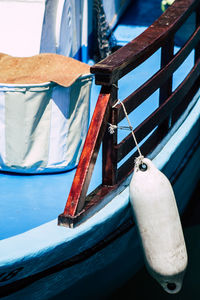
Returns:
<point x="41" y="68"/>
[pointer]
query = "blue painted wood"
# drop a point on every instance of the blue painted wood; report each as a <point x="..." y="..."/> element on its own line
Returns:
<point x="31" y="241"/>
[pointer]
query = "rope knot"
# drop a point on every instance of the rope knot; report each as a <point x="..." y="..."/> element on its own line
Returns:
<point x="111" y="128"/>
<point x="138" y="161"/>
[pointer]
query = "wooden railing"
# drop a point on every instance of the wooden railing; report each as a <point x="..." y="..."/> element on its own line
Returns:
<point x="171" y="105"/>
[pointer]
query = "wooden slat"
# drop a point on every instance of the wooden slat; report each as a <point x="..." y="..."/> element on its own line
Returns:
<point x="146" y="148"/>
<point x="181" y="107"/>
<point x="160" y="113"/>
<point x="112" y="68"/>
<point x="149" y="87"/>
<point x="88" y="157"/>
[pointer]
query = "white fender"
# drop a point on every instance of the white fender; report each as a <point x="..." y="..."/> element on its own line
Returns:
<point x="159" y="226"/>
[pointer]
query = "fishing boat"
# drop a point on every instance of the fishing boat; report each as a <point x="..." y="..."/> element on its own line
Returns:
<point x="67" y="226"/>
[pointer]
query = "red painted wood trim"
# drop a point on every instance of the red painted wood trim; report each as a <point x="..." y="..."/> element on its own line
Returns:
<point x="115" y="66"/>
<point x="88" y="157"/>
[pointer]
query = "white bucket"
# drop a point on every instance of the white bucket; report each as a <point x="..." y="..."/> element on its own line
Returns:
<point x="43" y="126"/>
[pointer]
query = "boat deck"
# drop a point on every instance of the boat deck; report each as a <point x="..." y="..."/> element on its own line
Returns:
<point x="28" y="201"/>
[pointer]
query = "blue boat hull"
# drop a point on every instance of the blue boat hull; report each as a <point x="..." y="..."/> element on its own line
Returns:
<point x="104" y="251"/>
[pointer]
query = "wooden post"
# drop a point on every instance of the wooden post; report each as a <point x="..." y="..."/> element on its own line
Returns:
<point x="197" y="49"/>
<point x="109" y="162"/>
<point x="167" y="53"/>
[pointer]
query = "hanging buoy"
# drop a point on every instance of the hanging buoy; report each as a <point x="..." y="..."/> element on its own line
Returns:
<point x="159" y="225"/>
<point x="157" y="219"/>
